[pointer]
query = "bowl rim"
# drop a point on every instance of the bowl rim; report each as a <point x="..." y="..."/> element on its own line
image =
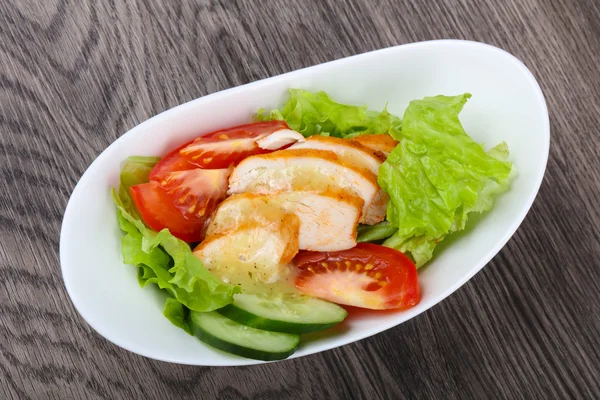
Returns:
<point x="545" y="147"/>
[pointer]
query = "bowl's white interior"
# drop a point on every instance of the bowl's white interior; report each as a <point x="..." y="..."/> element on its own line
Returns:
<point x="507" y="104"/>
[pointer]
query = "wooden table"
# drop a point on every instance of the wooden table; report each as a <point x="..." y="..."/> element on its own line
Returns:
<point x="75" y="75"/>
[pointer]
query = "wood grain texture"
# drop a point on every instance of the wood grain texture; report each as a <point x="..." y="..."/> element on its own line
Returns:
<point x="75" y="75"/>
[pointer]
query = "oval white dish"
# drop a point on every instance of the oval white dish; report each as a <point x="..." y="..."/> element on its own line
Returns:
<point x="507" y="105"/>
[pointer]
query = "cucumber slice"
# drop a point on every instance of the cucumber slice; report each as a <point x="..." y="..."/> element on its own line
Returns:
<point x="222" y="333"/>
<point x="289" y="313"/>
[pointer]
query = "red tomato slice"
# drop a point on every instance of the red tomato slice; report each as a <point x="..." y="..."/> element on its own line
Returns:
<point x="182" y="202"/>
<point x="224" y="148"/>
<point x="170" y="163"/>
<point x="367" y="276"/>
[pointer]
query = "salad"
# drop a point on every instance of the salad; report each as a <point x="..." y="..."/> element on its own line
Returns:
<point x="267" y="231"/>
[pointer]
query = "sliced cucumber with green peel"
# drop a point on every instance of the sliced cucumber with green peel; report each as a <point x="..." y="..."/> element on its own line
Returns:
<point x="289" y="313"/>
<point x="222" y="333"/>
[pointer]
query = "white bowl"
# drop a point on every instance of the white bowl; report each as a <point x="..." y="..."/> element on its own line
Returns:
<point x="507" y="104"/>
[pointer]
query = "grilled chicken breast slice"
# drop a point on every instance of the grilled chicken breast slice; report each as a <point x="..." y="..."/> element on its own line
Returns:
<point x="381" y="142"/>
<point x="360" y="156"/>
<point x="309" y="170"/>
<point x="352" y="151"/>
<point x="328" y="219"/>
<point x="250" y="234"/>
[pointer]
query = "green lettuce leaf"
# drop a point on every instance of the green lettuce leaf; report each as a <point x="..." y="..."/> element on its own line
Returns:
<point x="135" y="170"/>
<point x="162" y="258"/>
<point x="177" y="313"/>
<point x="437" y="175"/>
<point x="317" y="114"/>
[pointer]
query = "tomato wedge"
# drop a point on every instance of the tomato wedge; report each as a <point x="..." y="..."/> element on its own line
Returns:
<point x="367" y="276"/>
<point x="182" y="202"/>
<point x="170" y="163"/>
<point x="227" y="147"/>
<point x="217" y="150"/>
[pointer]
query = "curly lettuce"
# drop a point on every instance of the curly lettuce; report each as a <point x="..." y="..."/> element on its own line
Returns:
<point x="317" y="114"/>
<point x="437" y="176"/>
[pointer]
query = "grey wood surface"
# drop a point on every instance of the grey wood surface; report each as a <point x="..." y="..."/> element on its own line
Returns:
<point x="76" y="74"/>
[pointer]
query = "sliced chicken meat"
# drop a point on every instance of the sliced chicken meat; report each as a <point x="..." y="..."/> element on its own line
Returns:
<point x="242" y="210"/>
<point x="360" y="156"/>
<point x="279" y="139"/>
<point x="264" y="232"/>
<point x="251" y="232"/>
<point x="352" y="151"/>
<point x="255" y="249"/>
<point x="328" y="219"/>
<point x="308" y="170"/>
<point x="381" y="142"/>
